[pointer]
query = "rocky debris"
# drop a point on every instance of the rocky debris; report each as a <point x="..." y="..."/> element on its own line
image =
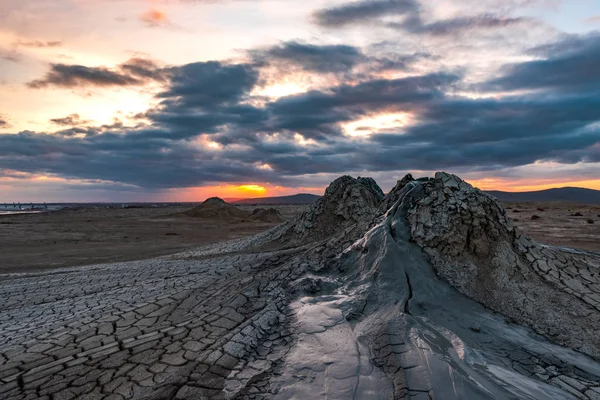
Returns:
<point x="266" y="215"/>
<point x="475" y="247"/>
<point x="398" y="315"/>
<point x="347" y="206"/>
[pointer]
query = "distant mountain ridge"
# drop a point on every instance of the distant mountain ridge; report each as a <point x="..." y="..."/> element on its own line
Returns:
<point x="574" y="194"/>
<point x="300" y="198"/>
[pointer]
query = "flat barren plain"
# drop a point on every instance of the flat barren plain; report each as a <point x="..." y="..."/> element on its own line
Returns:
<point x="562" y="224"/>
<point x="83" y="236"/>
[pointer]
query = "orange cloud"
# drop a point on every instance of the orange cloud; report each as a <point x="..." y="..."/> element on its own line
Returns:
<point x="154" y="18"/>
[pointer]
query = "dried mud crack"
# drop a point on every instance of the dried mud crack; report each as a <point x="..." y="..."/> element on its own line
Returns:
<point x="426" y="292"/>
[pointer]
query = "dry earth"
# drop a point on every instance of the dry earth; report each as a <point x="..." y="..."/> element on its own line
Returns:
<point x="559" y="223"/>
<point x="86" y="236"/>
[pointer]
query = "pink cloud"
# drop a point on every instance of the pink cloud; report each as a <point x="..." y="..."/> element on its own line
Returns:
<point x="593" y="20"/>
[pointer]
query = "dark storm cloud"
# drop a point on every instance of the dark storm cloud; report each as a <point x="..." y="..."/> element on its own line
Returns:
<point x="75" y="131"/>
<point x="498" y="133"/>
<point x="136" y="158"/>
<point x="453" y="26"/>
<point x="324" y="58"/>
<point x="69" y="76"/>
<point x="412" y="20"/>
<point x="69" y="120"/>
<point x="316" y="114"/>
<point x="143" y="69"/>
<point x="209" y="84"/>
<point x="348" y="62"/>
<point x="81" y="128"/>
<point x="570" y="64"/>
<point x="3" y="122"/>
<point x="361" y="11"/>
<point x="213" y="99"/>
<point x="203" y="97"/>
<point x="132" y="73"/>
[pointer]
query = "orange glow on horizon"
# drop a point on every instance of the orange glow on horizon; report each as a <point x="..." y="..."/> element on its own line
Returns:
<point x="258" y="190"/>
<point x="530" y="185"/>
<point x="228" y="191"/>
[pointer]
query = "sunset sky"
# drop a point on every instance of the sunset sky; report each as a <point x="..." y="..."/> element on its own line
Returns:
<point x="179" y="100"/>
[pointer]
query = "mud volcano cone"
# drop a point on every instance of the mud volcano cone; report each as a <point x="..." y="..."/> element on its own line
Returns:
<point x="266" y="215"/>
<point x="217" y="209"/>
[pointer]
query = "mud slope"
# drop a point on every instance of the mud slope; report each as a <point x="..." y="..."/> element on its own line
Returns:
<point x="426" y="293"/>
<point x="266" y="215"/>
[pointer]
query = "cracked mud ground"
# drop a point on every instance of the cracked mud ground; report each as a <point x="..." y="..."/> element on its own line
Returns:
<point x="428" y="292"/>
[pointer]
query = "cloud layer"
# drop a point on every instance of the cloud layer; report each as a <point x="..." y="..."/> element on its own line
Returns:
<point x="211" y="102"/>
<point x="385" y="105"/>
<point x="411" y="18"/>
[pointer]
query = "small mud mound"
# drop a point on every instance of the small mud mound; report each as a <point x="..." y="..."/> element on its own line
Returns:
<point x="267" y="215"/>
<point x="216" y="208"/>
<point x="347" y="207"/>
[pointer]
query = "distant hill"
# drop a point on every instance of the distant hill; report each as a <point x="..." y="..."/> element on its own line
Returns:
<point x="574" y="194"/>
<point x="301" y="198"/>
<point x="579" y="195"/>
<point x="216" y="208"/>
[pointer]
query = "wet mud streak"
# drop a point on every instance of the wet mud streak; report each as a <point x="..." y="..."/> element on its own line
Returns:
<point x="410" y="295"/>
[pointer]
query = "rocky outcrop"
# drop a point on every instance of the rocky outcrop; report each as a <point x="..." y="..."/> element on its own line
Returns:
<point x="474" y="246"/>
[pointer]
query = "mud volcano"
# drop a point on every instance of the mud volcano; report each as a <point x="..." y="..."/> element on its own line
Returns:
<point x="216" y="208"/>
<point x="428" y="292"/>
<point x="266" y="215"/>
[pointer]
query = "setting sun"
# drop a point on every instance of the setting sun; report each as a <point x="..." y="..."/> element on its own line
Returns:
<point x="224" y="191"/>
<point x="256" y="189"/>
